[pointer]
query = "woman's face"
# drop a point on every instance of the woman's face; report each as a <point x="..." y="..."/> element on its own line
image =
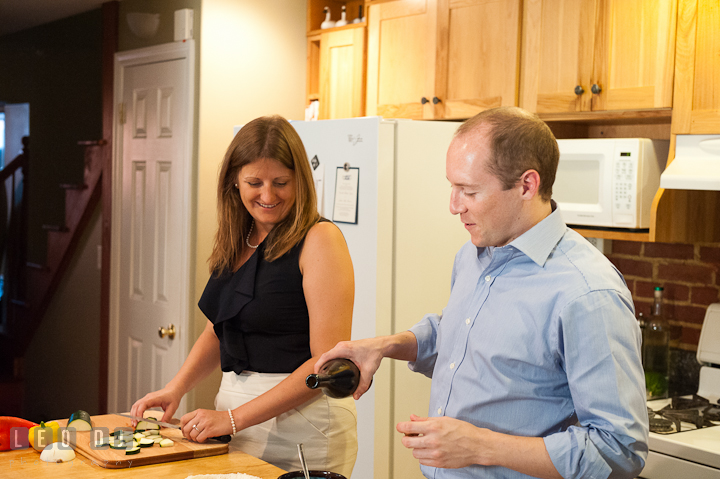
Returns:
<point x="267" y="189"/>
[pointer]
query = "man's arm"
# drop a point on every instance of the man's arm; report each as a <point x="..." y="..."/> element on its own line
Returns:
<point x="451" y="443"/>
<point x="368" y="353"/>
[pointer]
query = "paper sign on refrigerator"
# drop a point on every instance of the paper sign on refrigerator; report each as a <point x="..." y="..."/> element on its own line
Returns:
<point x="346" y="195"/>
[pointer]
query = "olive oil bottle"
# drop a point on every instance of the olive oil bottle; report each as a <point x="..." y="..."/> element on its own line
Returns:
<point x="655" y="350"/>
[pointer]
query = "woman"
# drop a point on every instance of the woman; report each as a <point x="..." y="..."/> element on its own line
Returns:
<point x="280" y="294"/>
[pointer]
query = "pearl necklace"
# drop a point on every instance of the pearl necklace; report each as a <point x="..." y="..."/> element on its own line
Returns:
<point x="247" y="238"/>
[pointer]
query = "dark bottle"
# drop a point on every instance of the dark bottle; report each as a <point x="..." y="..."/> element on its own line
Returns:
<point x="655" y="350"/>
<point x="338" y="378"/>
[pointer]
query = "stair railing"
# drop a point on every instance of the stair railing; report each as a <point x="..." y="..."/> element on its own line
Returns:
<point x="13" y="239"/>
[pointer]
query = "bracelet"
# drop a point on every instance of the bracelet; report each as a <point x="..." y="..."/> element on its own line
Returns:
<point x="232" y="421"/>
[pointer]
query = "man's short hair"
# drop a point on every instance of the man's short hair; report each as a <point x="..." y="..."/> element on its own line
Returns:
<point x="520" y="141"/>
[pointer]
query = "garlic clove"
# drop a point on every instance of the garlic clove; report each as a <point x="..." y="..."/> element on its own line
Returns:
<point x="57" y="452"/>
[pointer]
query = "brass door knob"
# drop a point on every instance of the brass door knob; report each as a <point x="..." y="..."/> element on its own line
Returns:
<point x="169" y="332"/>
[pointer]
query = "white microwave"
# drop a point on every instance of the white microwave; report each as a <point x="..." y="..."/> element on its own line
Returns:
<point x="609" y="182"/>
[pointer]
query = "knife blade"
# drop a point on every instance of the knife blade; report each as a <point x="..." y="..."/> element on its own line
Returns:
<point x="225" y="438"/>
<point x="159" y="423"/>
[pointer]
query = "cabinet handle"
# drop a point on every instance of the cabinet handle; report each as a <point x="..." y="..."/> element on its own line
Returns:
<point x="579" y="90"/>
<point x="595" y="89"/>
<point x="436" y="100"/>
<point x="424" y="100"/>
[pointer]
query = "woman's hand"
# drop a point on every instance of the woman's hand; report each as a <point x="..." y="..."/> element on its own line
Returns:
<point x="203" y="424"/>
<point x="167" y="398"/>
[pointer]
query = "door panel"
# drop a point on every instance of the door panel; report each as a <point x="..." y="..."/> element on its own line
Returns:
<point x="635" y="57"/>
<point x="150" y="244"/>
<point x="558" y="40"/>
<point x="480" y="69"/>
<point x="342" y="70"/>
<point x="401" y="58"/>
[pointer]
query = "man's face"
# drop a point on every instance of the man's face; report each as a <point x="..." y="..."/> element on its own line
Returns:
<point x="490" y="214"/>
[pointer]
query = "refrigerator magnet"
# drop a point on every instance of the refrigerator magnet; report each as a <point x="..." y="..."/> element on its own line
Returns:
<point x="345" y="207"/>
<point x="318" y="173"/>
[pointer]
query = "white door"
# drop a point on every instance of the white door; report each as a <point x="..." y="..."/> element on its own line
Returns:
<point x="151" y="218"/>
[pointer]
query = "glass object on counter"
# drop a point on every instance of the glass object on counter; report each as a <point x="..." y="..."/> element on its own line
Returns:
<point x="343" y="18"/>
<point x="655" y="350"/>
<point x="360" y="18"/>
<point x="327" y="23"/>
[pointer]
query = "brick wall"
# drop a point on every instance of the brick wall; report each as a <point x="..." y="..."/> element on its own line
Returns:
<point x="689" y="273"/>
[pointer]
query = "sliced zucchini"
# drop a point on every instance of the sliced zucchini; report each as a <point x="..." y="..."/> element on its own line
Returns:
<point x="138" y="435"/>
<point x="80" y="420"/>
<point x="132" y="450"/>
<point x="166" y="443"/>
<point x="146" y="442"/>
<point x="147" y="426"/>
<point x="151" y="432"/>
<point x="158" y="439"/>
<point x="118" y="444"/>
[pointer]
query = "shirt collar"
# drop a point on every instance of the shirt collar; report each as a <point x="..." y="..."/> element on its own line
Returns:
<point x="539" y="241"/>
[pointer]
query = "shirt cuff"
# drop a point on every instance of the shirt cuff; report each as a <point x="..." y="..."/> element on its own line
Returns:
<point x="426" y="335"/>
<point x="575" y="456"/>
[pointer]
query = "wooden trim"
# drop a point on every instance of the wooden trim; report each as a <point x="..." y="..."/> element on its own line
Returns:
<point x="614" y="235"/>
<point x="655" y="115"/>
<point x="110" y="13"/>
<point x="684" y="67"/>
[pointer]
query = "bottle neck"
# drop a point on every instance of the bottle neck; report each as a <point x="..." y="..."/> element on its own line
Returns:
<point x="657" y="304"/>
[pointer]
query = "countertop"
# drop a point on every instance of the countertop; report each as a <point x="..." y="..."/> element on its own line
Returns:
<point x="26" y="464"/>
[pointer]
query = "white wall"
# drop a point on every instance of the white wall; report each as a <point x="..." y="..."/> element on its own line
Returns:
<point x="252" y="63"/>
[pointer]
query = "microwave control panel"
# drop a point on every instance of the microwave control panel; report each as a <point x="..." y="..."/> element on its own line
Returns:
<point x="624" y="194"/>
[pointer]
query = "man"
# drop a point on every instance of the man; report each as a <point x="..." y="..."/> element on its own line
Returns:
<point x="535" y="360"/>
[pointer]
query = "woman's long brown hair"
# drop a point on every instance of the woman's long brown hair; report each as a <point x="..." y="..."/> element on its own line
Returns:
<point x="265" y="137"/>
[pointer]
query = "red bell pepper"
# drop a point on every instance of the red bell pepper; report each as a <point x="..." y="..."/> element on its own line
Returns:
<point x="6" y="424"/>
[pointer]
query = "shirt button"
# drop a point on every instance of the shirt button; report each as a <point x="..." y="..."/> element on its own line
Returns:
<point x="452" y="365"/>
<point x="467" y="321"/>
<point x="487" y="278"/>
<point x="439" y="411"/>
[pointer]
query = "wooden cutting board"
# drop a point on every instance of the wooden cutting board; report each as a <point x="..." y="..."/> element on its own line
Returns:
<point x="116" y="458"/>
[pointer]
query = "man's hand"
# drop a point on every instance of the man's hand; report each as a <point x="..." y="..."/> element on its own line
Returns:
<point x="443" y="441"/>
<point x="451" y="443"/>
<point x="365" y="353"/>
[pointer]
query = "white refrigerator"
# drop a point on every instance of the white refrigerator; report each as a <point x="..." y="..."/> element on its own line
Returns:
<point x="384" y="184"/>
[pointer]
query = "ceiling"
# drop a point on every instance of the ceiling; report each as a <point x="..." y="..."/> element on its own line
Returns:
<point x="17" y="15"/>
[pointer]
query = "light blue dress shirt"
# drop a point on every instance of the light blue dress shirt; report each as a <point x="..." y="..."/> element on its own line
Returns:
<point x="539" y="339"/>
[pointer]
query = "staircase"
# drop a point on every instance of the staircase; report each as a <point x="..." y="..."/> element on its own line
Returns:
<point x="29" y="287"/>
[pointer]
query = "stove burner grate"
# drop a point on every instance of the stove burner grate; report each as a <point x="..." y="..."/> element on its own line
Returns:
<point x="697" y="411"/>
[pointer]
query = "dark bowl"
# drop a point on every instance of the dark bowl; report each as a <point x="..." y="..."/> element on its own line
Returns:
<point x="313" y="475"/>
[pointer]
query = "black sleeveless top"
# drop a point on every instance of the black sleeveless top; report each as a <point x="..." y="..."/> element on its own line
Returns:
<point x="259" y="314"/>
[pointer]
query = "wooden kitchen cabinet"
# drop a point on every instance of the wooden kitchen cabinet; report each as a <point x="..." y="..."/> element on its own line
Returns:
<point x="597" y="55"/>
<point x="342" y="73"/>
<point x="690" y="216"/>
<point x="442" y="59"/>
<point x="697" y="102"/>
<point x="336" y="60"/>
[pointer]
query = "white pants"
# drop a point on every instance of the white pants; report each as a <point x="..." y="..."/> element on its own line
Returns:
<point x="326" y="427"/>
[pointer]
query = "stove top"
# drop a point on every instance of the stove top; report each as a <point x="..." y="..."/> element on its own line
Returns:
<point x="684" y="413"/>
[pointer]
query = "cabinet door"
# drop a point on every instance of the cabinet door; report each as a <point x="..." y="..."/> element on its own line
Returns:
<point x="557" y="56"/>
<point x="635" y="54"/>
<point x="697" y="102"/>
<point x="342" y="73"/>
<point x="478" y="56"/>
<point x="401" y="58"/>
